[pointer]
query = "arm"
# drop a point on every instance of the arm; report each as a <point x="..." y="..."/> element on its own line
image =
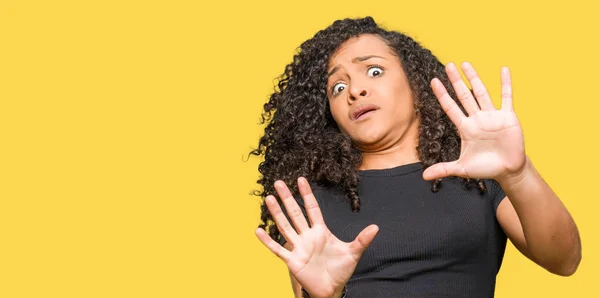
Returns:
<point x="493" y="147"/>
<point x="538" y="224"/>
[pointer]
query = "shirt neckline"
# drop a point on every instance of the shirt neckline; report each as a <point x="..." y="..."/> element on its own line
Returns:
<point x="395" y="171"/>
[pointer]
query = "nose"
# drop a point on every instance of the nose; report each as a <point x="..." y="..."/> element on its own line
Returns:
<point x="356" y="91"/>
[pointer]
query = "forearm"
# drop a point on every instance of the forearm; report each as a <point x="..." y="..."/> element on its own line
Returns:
<point x="551" y="234"/>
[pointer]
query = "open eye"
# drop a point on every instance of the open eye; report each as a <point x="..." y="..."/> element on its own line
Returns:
<point x="337" y="88"/>
<point x="374" y="71"/>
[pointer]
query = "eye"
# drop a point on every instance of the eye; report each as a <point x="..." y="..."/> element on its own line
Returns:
<point x="374" y="71"/>
<point x="337" y="88"/>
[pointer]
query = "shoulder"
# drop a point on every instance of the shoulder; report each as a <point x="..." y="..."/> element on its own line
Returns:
<point x="495" y="192"/>
<point x="326" y="192"/>
<point x="455" y="186"/>
<point x="492" y="187"/>
<point x="319" y="190"/>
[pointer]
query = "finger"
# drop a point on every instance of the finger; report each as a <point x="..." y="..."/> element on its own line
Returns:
<point x="291" y="206"/>
<point x="462" y="91"/>
<point x="310" y="202"/>
<point x="363" y="240"/>
<point x="448" y="104"/>
<point x="481" y="93"/>
<point x="444" y="169"/>
<point x="273" y="246"/>
<point x="283" y="225"/>
<point x="507" y="96"/>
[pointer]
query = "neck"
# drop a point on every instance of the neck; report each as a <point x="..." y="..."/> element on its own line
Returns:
<point x="389" y="158"/>
<point x="393" y="153"/>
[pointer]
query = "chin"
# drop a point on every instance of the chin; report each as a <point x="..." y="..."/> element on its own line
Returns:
<point x="368" y="141"/>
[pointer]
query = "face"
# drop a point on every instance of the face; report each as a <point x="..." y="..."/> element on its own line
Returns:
<point x="369" y="95"/>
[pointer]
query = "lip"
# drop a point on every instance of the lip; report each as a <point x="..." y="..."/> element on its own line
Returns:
<point x="361" y="110"/>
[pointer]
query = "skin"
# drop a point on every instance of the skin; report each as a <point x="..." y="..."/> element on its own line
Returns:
<point x="492" y="147"/>
<point x="388" y="136"/>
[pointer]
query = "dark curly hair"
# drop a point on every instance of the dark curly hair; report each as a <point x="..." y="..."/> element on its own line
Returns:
<point x="301" y="137"/>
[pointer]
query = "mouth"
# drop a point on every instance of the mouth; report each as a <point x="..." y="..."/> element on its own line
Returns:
<point x="363" y="111"/>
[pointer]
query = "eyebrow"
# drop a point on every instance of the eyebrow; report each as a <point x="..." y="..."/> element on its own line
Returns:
<point x="355" y="60"/>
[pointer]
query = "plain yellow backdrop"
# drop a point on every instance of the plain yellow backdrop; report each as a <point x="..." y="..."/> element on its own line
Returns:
<point x="124" y="126"/>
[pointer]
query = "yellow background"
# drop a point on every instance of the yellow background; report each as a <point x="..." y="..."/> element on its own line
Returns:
<point x="124" y="126"/>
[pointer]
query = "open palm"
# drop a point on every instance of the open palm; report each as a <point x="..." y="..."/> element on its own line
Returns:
<point x="320" y="262"/>
<point x="492" y="143"/>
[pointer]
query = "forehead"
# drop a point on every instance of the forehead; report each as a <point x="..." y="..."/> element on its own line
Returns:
<point x="363" y="45"/>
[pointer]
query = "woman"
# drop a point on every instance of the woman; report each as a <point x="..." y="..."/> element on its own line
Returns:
<point x="416" y="181"/>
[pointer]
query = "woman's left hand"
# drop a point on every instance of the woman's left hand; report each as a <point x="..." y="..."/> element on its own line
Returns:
<point x="492" y="144"/>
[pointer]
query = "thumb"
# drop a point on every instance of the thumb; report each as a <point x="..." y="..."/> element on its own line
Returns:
<point x="441" y="170"/>
<point x="363" y="240"/>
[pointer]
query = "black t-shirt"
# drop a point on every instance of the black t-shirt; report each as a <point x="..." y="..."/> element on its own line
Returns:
<point x="443" y="244"/>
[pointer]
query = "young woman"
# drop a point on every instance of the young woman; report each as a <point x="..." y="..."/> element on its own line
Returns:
<point x="416" y="181"/>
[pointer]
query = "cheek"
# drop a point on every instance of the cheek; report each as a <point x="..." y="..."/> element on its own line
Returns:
<point x="339" y="114"/>
<point x="404" y="101"/>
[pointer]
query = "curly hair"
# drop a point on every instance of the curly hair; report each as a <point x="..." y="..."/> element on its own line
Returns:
<point x="301" y="137"/>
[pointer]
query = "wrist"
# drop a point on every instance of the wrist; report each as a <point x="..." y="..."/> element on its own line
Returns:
<point x="341" y="293"/>
<point x="518" y="178"/>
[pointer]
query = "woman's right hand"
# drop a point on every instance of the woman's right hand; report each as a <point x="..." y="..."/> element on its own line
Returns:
<point x="319" y="261"/>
